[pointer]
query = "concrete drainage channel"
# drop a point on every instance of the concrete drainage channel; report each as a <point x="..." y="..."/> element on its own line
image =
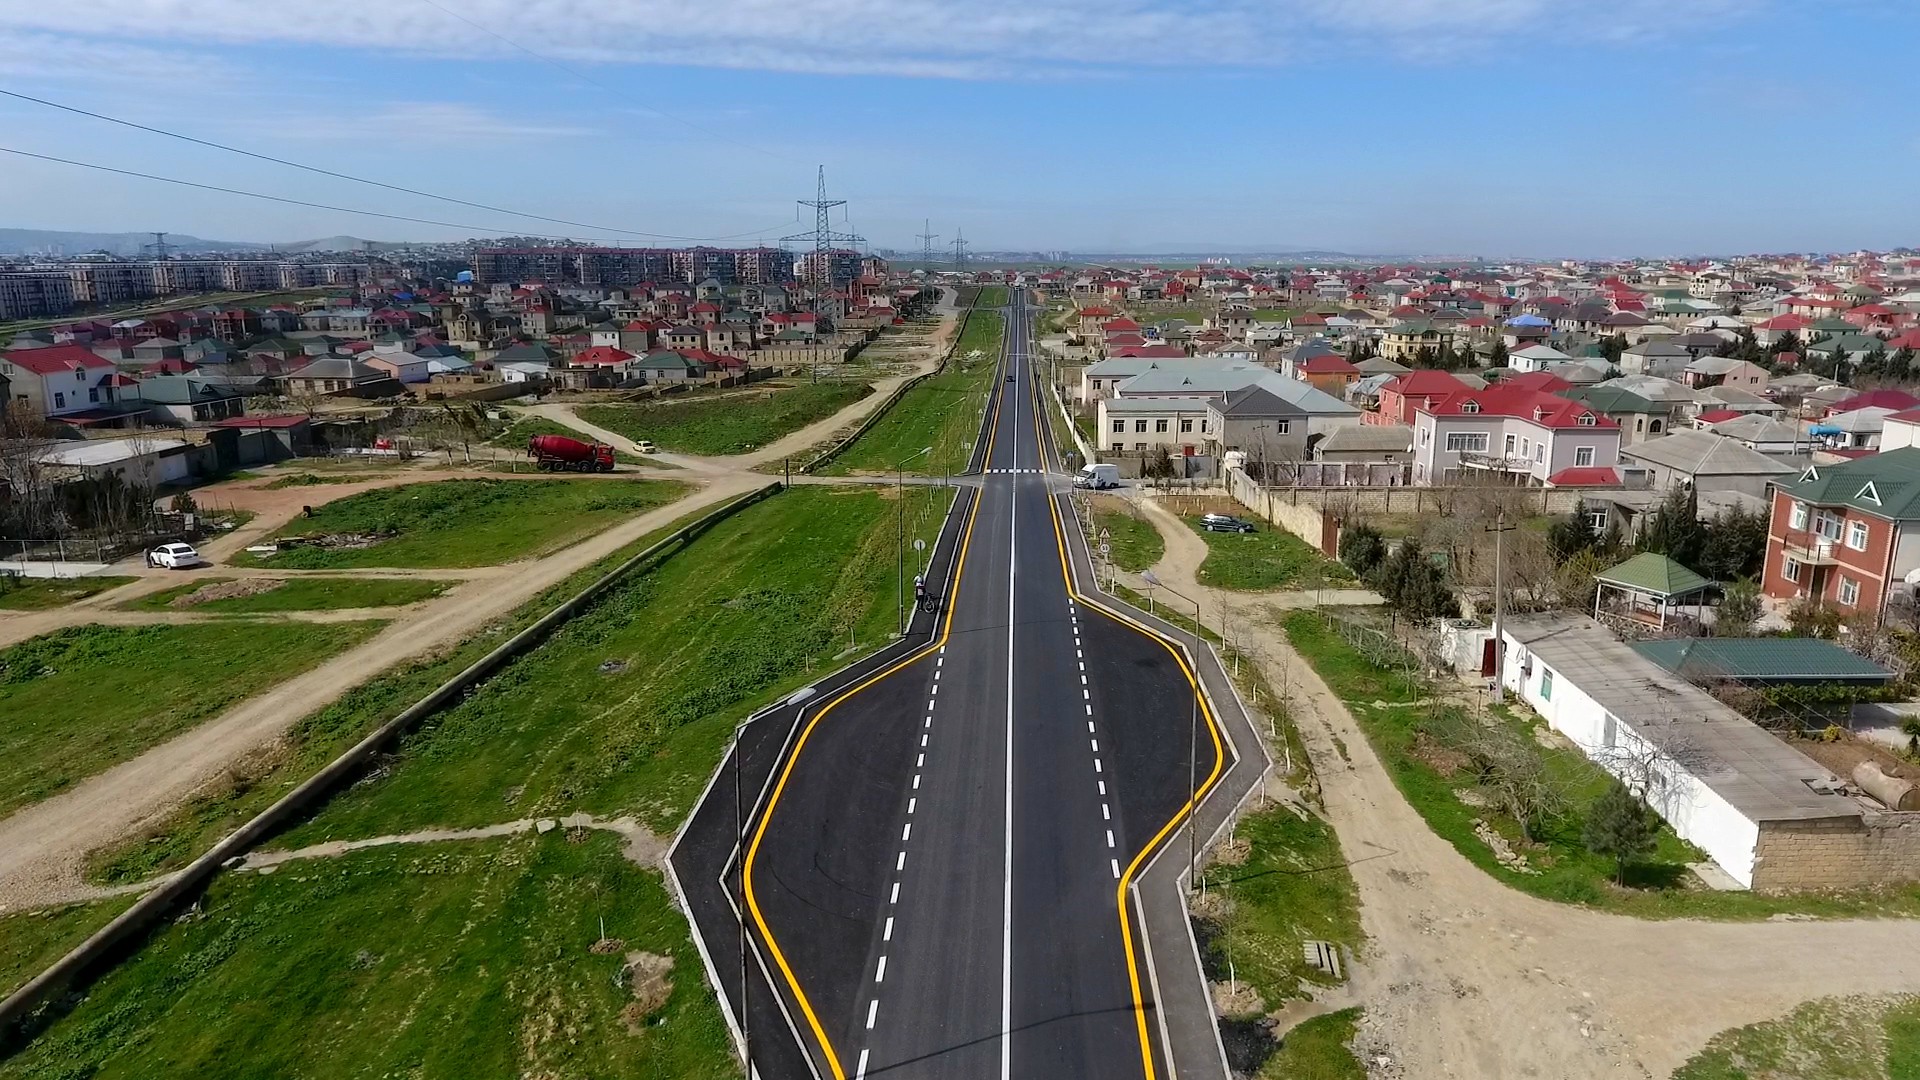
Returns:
<point x="115" y="940"/>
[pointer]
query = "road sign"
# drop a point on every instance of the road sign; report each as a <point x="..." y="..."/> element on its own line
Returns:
<point x="919" y="545"/>
<point x="1106" y="548"/>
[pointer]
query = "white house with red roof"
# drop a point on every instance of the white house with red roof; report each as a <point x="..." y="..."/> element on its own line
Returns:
<point x="1530" y="436"/>
<point x="59" y="379"/>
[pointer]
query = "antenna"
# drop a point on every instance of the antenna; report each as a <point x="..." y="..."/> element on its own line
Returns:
<point x="823" y="236"/>
<point x="926" y="244"/>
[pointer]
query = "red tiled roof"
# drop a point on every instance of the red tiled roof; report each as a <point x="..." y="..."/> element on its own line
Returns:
<point x="1538" y="380"/>
<point x="1327" y="364"/>
<point x="1150" y="351"/>
<point x="1425" y="381"/>
<point x="1121" y="323"/>
<point x="1714" y="416"/>
<point x="56" y="358"/>
<point x="1885" y="399"/>
<point x="1909" y="416"/>
<point x="603" y="356"/>
<point x="1585" y="476"/>
<point x="1537" y="406"/>
<point x="1784" y="322"/>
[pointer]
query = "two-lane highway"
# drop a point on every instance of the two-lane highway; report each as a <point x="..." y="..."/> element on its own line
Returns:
<point x="939" y="872"/>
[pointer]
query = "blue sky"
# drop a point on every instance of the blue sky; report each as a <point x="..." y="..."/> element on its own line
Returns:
<point x="1465" y="127"/>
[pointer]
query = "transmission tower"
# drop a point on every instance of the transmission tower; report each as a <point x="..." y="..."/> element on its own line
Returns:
<point x="926" y="245"/>
<point x="159" y="247"/>
<point x="959" y="251"/>
<point x="823" y="236"/>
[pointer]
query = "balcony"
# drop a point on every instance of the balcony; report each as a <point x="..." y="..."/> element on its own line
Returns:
<point x="1811" y="549"/>
<point x="1496" y="462"/>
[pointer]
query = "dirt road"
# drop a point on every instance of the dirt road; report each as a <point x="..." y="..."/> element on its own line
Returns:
<point x="1465" y="977"/>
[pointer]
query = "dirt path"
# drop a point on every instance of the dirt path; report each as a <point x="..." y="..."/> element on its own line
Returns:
<point x="43" y="846"/>
<point x="1465" y="977"/>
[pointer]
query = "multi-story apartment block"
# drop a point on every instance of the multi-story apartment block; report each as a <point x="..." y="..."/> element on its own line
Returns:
<point x="1528" y="435"/>
<point x="110" y="282"/>
<point x="34" y="293"/>
<point x="1846" y="535"/>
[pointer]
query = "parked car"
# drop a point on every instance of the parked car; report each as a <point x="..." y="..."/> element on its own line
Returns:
<point x="646" y="446"/>
<point x="1225" y="523"/>
<point x="174" y="556"/>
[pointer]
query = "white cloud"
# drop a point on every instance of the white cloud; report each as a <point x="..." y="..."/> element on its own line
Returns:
<point x="417" y="122"/>
<point x="926" y="38"/>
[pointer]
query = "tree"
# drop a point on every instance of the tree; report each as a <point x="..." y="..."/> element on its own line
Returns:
<point x="1739" y="609"/>
<point x="1621" y="826"/>
<point x="1900" y="367"/>
<point x="1575" y="580"/>
<point x="1572" y="533"/>
<point x="1807" y="617"/>
<point x="1612" y="346"/>
<point x="1735" y="544"/>
<point x="1674" y="530"/>
<point x="1498" y="356"/>
<point x="1412" y="583"/>
<point x="1788" y="342"/>
<point x="1362" y="549"/>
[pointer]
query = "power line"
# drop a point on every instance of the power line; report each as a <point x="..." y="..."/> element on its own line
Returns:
<point x="590" y="80"/>
<point x="360" y="179"/>
<point x="479" y="229"/>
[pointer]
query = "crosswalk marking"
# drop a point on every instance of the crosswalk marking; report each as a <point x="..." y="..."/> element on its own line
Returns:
<point x="1005" y="472"/>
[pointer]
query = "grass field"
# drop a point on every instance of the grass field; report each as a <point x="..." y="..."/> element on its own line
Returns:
<point x="992" y="296"/>
<point x="301" y="594"/>
<point x="307" y="479"/>
<point x="450" y="960"/>
<point x="802" y="577"/>
<point x="31" y="940"/>
<point x="1271" y="558"/>
<point x="1388" y="710"/>
<point x="1830" y="1039"/>
<point x="40" y="594"/>
<point x="942" y="412"/>
<point x="517" y="434"/>
<point x="733" y="424"/>
<point x="1135" y="542"/>
<point x="466" y="522"/>
<point x="1292" y="887"/>
<point x="84" y="698"/>
<point x="1317" y="1049"/>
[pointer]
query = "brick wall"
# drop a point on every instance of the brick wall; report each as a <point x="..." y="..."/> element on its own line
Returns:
<point x="1840" y="853"/>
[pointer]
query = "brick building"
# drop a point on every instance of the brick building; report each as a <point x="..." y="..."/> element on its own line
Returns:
<point x="1847" y="534"/>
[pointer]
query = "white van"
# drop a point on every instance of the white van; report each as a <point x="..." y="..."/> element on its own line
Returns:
<point x="1098" y="476"/>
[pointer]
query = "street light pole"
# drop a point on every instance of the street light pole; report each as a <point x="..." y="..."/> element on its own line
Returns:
<point x="900" y="575"/>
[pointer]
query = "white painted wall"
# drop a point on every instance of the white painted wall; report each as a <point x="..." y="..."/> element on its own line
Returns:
<point x="1698" y="814"/>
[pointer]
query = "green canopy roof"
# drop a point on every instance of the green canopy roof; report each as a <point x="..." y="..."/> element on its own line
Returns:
<point x="1655" y="575"/>
<point x="1766" y="660"/>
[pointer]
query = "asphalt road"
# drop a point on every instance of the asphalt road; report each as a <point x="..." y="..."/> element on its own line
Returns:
<point x="936" y="876"/>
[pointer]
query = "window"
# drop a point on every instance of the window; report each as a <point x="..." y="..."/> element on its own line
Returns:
<point x="1540" y="451"/>
<point x="59" y="400"/>
<point x="1790" y="568"/>
<point x="1119" y="446"/>
<point x="1586" y="420"/>
<point x="1583" y="455"/>
<point x="1139" y="446"/>
<point x="1160" y="426"/>
<point x="1610" y="731"/>
<point x="1467" y="442"/>
<point x="1653" y="427"/>
<point x="1546" y="685"/>
<point x="1857" y="535"/>
<point x="1510" y="441"/>
<point x="1797" y="519"/>
<point x="1282" y="427"/>
<point x="1186" y="424"/>
<point x="1426" y="436"/>
<point x="93" y="395"/>
<point x="1826" y="525"/>
<point x="1119" y="426"/>
<point x="1203" y="425"/>
<point x="1849" y="591"/>
<point x="1597" y="520"/>
<point x="1139" y="427"/>
<point x="1470" y="407"/>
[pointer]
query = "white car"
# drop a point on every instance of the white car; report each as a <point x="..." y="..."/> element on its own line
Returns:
<point x="174" y="556"/>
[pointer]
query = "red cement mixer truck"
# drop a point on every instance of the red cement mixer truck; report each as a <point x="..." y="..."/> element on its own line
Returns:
<point x="557" y="453"/>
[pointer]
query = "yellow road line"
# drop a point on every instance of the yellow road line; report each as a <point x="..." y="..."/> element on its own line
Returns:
<point x="1185" y="812"/>
<point x="753" y="850"/>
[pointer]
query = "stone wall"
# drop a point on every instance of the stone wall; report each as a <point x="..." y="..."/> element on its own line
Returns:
<point x="1878" y="848"/>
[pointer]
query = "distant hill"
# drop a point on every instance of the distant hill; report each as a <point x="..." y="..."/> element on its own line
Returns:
<point x="25" y="241"/>
<point x="336" y="243"/>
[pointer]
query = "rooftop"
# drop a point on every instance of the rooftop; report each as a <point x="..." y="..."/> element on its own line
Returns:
<point x="1764" y="659"/>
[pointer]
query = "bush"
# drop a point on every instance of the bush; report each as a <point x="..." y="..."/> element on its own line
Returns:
<point x="1621" y="826"/>
<point x="1362" y="549"/>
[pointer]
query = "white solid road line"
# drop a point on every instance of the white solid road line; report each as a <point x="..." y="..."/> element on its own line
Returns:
<point x="1006" y="914"/>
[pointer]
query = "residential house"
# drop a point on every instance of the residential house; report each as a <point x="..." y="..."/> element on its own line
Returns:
<point x="1638" y="418"/>
<point x="1725" y="371"/>
<point x="1178" y="424"/>
<point x="1269" y="427"/>
<point x="1657" y="358"/>
<point x="1535" y="358"/>
<point x="1702" y="461"/>
<point x="1855" y="429"/>
<point x="1328" y="373"/>
<point x="187" y="399"/>
<point x="1766" y="434"/>
<point x="1734" y="399"/>
<point x="1399" y="395"/>
<point x="1405" y="340"/>
<point x="1529" y="436"/>
<point x="1847" y="535"/>
<point x="58" y="379"/>
<point x="341" y="375"/>
<point x="667" y="365"/>
<point x="1368" y="442"/>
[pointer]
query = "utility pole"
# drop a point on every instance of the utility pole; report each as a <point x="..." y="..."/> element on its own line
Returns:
<point x="959" y="252"/>
<point x="160" y="248"/>
<point x="823" y="236"/>
<point x="1499" y="529"/>
<point x="926" y="244"/>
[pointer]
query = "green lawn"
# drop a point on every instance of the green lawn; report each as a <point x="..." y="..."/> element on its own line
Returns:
<point x="307" y="479"/>
<point x="992" y="296"/>
<point x="451" y="960"/>
<point x="31" y="940"/>
<point x="1387" y="709"/>
<point x="1317" y="1049"/>
<point x="466" y="522"/>
<point x="517" y="434"/>
<point x="1293" y="887"/>
<point x="942" y="412"/>
<point x="1830" y="1039"/>
<point x="766" y="600"/>
<point x="1135" y="542"/>
<point x="1271" y="558"/>
<point x="733" y="424"/>
<point x="301" y="594"/>
<point x="84" y="698"/>
<point x="39" y="594"/>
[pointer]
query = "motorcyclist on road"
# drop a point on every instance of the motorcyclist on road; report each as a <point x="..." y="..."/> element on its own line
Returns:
<point x="919" y="589"/>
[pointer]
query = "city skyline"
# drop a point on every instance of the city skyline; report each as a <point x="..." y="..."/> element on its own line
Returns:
<point x="1504" y="128"/>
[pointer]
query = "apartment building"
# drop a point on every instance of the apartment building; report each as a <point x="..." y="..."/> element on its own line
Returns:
<point x="1525" y="436"/>
<point x="31" y="294"/>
